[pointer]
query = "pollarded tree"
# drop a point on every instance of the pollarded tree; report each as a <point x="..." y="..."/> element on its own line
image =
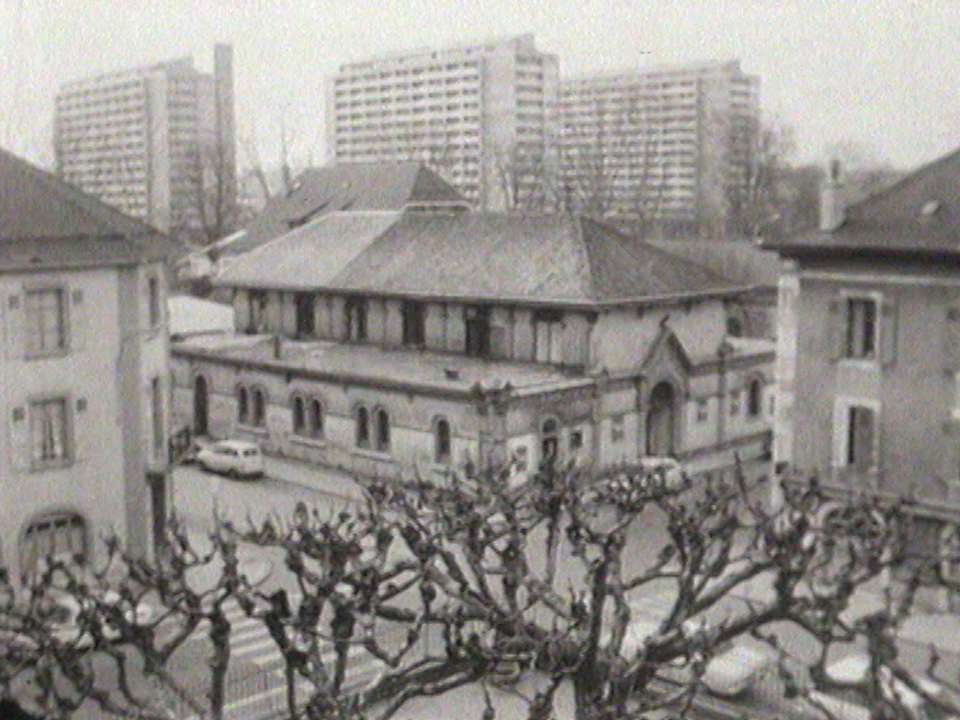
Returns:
<point x="632" y="590"/>
<point x="576" y="585"/>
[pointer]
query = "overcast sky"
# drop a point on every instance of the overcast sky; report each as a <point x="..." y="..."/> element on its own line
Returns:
<point x="884" y="74"/>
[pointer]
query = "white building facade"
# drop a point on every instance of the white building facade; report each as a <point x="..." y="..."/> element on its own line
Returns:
<point x="85" y="383"/>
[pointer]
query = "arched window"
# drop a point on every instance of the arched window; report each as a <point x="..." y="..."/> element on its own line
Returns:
<point x="363" y="427"/>
<point x="243" y="405"/>
<point x="60" y="535"/>
<point x="259" y="408"/>
<point x="755" y="397"/>
<point x="383" y="429"/>
<point x="441" y="441"/>
<point x="299" y="416"/>
<point x="549" y="439"/>
<point x="315" y="417"/>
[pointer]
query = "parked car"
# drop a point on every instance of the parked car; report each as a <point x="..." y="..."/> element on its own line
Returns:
<point x="234" y="458"/>
<point x="736" y="668"/>
<point x="672" y="471"/>
<point x="632" y="479"/>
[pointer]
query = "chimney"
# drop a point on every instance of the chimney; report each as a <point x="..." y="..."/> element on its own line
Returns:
<point x="831" y="199"/>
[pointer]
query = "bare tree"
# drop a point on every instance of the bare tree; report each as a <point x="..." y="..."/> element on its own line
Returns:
<point x="760" y="191"/>
<point x="625" y="586"/>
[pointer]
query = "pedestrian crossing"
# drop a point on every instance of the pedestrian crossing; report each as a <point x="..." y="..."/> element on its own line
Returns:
<point x="262" y="693"/>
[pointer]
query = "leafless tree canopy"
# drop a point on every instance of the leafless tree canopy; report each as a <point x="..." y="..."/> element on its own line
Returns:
<point x="472" y="581"/>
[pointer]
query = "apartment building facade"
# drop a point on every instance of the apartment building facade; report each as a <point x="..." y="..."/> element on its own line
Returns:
<point x="157" y="142"/>
<point x="668" y="143"/>
<point x="84" y="375"/>
<point x="475" y="113"/>
<point x="868" y="360"/>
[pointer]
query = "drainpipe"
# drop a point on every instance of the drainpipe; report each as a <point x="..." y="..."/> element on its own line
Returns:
<point x="722" y="394"/>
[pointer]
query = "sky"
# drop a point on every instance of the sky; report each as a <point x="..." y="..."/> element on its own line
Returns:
<point x="879" y="76"/>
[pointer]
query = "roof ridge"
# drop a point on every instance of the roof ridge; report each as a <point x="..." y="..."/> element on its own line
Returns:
<point x="906" y="180"/>
<point x="81" y="200"/>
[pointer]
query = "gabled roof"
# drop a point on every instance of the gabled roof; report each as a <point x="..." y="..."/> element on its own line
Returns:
<point x="45" y="221"/>
<point x="346" y="186"/>
<point x="919" y="215"/>
<point x="478" y="256"/>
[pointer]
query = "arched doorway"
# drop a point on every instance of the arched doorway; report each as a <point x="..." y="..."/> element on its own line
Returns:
<point x="201" y="406"/>
<point x="661" y="421"/>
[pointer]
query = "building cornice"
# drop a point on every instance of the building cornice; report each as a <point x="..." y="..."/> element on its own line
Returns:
<point x="564" y="304"/>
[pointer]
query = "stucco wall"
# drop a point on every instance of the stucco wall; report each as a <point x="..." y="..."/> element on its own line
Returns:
<point x="916" y="393"/>
<point x="98" y="483"/>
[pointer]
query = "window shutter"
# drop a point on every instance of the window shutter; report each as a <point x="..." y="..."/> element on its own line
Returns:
<point x="77" y="317"/>
<point x="841" y="416"/>
<point x="888" y="332"/>
<point x="951" y="340"/>
<point x="837" y="328"/>
<point x="19" y="438"/>
<point x="14" y="329"/>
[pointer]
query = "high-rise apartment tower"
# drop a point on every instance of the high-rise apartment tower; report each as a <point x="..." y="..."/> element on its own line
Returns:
<point x="482" y="115"/>
<point x="669" y="143"/>
<point x="157" y="142"/>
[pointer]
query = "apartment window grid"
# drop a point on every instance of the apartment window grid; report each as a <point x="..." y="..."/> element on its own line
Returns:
<point x="46" y="317"/>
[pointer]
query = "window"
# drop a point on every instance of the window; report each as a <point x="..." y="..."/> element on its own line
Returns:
<point x="576" y="440"/>
<point x="414" y="325"/>
<point x="547" y="331"/>
<point x="243" y="405"/>
<point x="477" y="321"/>
<point x="46" y="317"/>
<point x="755" y="398"/>
<point x="549" y="439"/>
<point x="441" y="441"/>
<point x="382" y="421"/>
<point x="355" y="316"/>
<point x="307" y="416"/>
<point x="259" y="408"/>
<point x="860" y="453"/>
<point x="363" y="428"/>
<point x="153" y="301"/>
<point x="616" y="428"/>
<point x="703" y="410"/>
<point x="50" y="432"/>
<point x="315" y="418"/>
<point x="734" y="403"/>
<point x="861" y="328"/>
<point x="299" y="416"/>
<point x="156" y="415"/>
<point x="258" y="312"/>
<point x="305" y="316"/>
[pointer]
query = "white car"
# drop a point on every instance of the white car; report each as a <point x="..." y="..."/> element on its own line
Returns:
<point x="735" y="669"/>
<point x="672" y="470"/>
<point x="61" y="613"/>
<point x="235" y="458"/>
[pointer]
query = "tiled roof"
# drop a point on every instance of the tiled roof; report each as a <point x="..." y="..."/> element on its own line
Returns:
<point x="345" y="186"/>
<point x="918" y="215"/>
<point x="44" y="221"/>
<point x="479" y="256"/>
<point x="740" y="261"/>
<point x="311" y="255"/>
